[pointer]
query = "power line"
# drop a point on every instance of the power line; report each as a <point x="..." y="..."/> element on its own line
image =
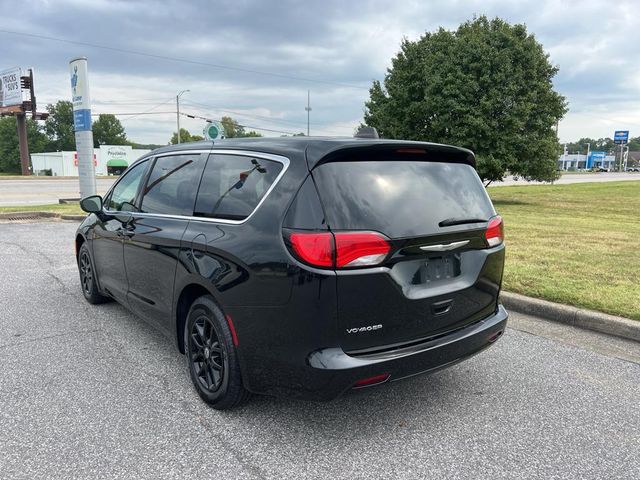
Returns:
<point x="262" y="117"/>
<point x="130" y="113"/>
<point x="208" y="119"/>
<point x="183" y="60"/>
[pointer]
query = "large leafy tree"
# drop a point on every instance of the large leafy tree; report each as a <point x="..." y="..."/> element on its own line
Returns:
<point x="486" y="86"/>
<point x="9" y="146"/>
<point x="107" y="130"/>
<point x="59" y="126"/>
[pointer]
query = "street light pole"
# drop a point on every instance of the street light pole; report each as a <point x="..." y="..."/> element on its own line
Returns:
<point x="178" y="110"/>
<point x="308" y="109"/>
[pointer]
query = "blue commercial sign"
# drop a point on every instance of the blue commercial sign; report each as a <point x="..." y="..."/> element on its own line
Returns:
<point x="82" y="120"/>
<point x="621" y="136"/>
<point x="595" y="157"/>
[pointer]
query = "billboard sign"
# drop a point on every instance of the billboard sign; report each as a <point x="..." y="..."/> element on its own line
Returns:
<point x="10" y="89"/>
<point x="621" y="136"/>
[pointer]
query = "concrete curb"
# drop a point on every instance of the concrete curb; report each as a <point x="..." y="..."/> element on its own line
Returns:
<point x="37" y="215"/>
<point x="577" y="317"/>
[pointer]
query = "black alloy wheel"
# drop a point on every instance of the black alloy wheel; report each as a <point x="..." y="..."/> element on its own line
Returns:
<point x="208" y="357"/>
<point x="88" y="277"/>
<point x="212" y="357"/>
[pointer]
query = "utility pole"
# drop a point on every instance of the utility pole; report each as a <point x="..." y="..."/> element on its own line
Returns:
<point x="178" y="110"/>
<point x="21" y="119"/>
<point x="308" y="109"/>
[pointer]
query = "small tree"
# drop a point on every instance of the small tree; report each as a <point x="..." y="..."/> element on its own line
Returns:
<point x="9" y="146"/>
<point x="185" y="137"/>
<point x="107" y="130"/>
<point x="486" y="86"/>
<point x="59" y="126"/>
<point x="232" y="129"/>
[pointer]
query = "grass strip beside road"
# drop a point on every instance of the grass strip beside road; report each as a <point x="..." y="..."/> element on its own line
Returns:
<point x="61" y="208"/>
<point x="575" y="244"/>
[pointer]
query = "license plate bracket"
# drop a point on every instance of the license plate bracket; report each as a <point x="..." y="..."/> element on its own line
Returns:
<point x="440" y="268"/>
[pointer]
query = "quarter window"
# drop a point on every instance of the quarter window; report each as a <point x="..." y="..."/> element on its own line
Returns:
<point x="233" y="185"/>
<point x="123" y="196"/>
<point x="172" y="185"/>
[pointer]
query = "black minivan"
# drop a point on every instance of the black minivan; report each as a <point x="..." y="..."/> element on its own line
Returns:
<point x="301" y="266"/>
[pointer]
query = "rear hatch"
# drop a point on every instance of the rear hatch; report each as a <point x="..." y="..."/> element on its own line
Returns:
<point x="441" y="270"/>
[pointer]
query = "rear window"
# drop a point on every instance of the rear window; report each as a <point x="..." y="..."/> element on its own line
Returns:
<point x="401" y="198"/>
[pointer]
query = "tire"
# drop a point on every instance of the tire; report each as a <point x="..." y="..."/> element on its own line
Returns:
<point x="211" y="356"/>
<point x="87" y="273"/>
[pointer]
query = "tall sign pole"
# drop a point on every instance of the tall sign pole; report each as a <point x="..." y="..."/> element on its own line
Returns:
<point x="82" y="125"/>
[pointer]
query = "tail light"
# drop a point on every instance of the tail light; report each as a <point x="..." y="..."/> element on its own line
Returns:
<point x="340" y="249"/>
<point x="495" y="231"/>
<point x="314" y="248"/>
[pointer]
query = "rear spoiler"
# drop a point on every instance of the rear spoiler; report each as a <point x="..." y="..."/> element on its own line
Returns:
<point x="378" y="150"/>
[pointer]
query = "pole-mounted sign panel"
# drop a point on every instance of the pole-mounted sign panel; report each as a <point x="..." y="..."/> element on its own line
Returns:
<point x="621" y="136"/>
<point x="10" y="89"/>
<point x="82" y="125"/>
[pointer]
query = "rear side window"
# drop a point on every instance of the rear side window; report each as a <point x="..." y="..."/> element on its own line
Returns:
<point x="233" y="185"/>
<point x="401" y="198"/>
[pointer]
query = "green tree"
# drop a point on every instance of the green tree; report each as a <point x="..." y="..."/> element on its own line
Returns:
<point x="486" y="86"/>
<point x="9" y="146"/>
<point x="232" y="129"/>
<point x="59" y="126"/>
<point x="634" y="144"/>
<point x="107" y="130"/>
<point x="185" y="137"/>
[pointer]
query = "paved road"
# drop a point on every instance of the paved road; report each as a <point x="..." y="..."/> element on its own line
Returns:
<point x="577" y="178"/>
<point x="90" y="391"/>
<point x="42" y="192"/>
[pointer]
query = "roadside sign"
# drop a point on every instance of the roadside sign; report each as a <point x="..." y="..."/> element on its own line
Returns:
<point x="10" y="88"/>
<point x="82" y="125"/>
<point x="214" y="131"/>
<point x="621" y="136"/>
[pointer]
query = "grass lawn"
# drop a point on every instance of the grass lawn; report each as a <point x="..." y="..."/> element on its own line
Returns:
<point x="577" y="244"/>
<point x="62" y="208"/>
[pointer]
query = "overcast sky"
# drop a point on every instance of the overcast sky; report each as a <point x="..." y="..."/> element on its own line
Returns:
<point x="340" y="45"/>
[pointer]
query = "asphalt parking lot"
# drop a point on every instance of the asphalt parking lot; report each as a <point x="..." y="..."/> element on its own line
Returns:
<point x="90" y="391"/>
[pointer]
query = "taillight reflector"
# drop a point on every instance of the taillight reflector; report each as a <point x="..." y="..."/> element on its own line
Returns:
<point x="376" y="380"/>
<point x="340" y="249"/>
<point x="495" y="231"/>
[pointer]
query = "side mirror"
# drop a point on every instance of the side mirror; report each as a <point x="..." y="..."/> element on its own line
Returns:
<point x="91" y="204"/>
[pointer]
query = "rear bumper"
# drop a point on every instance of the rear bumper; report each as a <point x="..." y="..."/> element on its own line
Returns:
<point x="331" y="371"/>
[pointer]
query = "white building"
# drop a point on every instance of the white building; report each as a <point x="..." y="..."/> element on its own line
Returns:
<point x="108" y="160"/>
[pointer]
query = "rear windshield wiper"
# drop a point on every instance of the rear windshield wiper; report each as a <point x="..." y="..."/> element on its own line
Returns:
<point x="450" y="222"/>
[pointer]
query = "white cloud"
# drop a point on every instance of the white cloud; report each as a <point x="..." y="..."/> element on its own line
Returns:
<point x="593" y="42"/>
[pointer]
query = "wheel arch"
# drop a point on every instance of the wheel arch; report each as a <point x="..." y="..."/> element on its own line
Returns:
<point x="188" y="295"/>
<point x="80" y="240"/>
